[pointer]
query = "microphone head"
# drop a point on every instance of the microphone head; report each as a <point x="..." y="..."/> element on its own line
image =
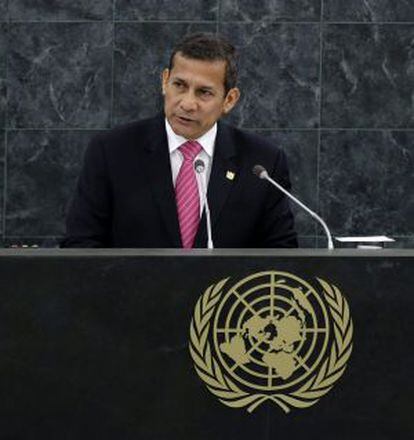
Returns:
<point x="260" y="171"/>
<point x="199" y="166"/>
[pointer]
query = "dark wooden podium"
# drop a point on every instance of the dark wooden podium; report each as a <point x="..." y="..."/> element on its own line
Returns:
<point x="95" y="344"/>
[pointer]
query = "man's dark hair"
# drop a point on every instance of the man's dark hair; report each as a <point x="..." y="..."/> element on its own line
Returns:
<point x="209" y="47"/>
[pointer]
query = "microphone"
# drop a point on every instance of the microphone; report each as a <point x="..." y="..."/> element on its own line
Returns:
<point x="261" y="173"/>
<point x="199" y="167"/>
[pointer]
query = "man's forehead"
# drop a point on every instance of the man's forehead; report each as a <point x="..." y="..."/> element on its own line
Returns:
<point x="211" y="73"/>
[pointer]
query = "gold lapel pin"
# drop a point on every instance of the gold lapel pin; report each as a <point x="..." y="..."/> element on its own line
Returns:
<point x="230" y="175"/>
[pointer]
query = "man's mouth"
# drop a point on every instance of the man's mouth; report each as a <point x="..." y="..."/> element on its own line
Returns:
<point x="184" y="119"/>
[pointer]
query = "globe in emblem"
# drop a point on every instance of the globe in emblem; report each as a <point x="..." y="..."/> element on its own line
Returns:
<point x="271" y="336"/>
<point x="271" y="330"/>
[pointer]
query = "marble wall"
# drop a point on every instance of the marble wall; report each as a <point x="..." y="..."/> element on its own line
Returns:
<point x="332" y="82"/>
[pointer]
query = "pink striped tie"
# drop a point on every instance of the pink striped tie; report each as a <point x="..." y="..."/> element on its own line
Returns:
<point x="187" y="196"/>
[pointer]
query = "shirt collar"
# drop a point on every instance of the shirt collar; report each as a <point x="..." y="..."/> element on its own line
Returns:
<point x="207" y="140"/>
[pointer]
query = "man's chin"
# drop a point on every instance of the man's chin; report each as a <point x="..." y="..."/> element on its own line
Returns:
<point x="185" y="132"/>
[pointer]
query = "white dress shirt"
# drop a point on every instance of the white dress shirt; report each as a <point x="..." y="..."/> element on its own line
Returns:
<point x="207" y="141"/>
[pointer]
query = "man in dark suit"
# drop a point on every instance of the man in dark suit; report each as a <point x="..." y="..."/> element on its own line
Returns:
<point x="138" y="187"/>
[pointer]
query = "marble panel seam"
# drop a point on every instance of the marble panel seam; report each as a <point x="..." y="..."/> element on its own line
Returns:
<point x="320" y="80"/>
<point x="369" y="129"/>
<point x="4" y="201"/>
<point x="369" y="22"/>
<point x="263" y="129"/>
<point x="281" y="129"/>
<point x="152" y="21"/>
<point x="80" y="21"/>
<point x="12" y="129"/>
<point x="275" y="21"/>
<point x="216" y="21"/>
<point x="316" y="129"/>
<point x="6" y="122"/>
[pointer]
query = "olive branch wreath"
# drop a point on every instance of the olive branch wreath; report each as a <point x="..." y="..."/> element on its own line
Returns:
<point x="308" y="394"/>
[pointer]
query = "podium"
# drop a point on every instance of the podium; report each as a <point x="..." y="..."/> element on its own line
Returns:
<point x="96" y="344"/>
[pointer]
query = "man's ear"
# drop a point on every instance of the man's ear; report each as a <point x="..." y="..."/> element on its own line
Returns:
<point x="165" y="77"/>
<point x="231" y="99"/>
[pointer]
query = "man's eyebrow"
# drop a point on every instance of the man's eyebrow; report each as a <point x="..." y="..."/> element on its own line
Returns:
<point x="177" y="78"/>
<point x="205" y="87"/>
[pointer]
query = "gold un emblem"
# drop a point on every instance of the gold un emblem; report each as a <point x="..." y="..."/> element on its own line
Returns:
<point x="271" y="337"/>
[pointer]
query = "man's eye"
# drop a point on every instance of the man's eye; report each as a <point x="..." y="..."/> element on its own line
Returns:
<point x="178" y="84"/>
<point x="206" y="93"/>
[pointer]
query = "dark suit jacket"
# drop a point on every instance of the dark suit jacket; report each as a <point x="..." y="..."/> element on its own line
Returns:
<point x="125" y="196"/>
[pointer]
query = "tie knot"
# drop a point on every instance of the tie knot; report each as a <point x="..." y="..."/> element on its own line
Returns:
<point x="190" y="149"/>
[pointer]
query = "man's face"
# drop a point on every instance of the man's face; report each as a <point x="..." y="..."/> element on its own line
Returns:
<point x="194" y="95"/>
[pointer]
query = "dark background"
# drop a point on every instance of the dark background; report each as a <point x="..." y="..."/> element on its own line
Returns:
<point x="332" y="81"/>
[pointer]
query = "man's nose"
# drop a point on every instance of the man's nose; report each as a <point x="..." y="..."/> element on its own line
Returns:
<point x="189" y="102"/>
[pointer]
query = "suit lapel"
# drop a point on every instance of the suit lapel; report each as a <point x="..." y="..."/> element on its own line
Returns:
<point x="222" y="179"/>
<point x="158" y="168"/>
